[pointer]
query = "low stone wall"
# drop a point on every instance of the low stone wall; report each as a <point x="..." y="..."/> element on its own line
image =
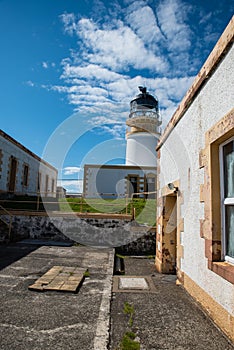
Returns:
<point x="145" y="245"/>
<point x="126" y="235"/>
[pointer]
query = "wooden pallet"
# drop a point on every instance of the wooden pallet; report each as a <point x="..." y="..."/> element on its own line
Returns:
<point x="60" y="278"/>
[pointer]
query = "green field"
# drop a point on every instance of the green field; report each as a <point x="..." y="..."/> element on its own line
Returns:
<point x="145" y="209"/>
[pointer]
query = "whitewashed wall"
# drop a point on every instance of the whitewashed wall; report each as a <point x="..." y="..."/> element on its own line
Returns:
<point x="110" y="180"/>
<point x="140" y="150"/>
<point x="180" y="160"/>
<point x="23" y="157"/>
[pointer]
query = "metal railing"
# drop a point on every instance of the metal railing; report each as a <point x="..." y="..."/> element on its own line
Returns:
<point x="40" y="202"/>
<point x="76" y="202"/>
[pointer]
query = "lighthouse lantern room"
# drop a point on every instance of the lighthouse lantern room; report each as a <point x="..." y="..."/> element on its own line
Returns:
<point x="143" y="130"/>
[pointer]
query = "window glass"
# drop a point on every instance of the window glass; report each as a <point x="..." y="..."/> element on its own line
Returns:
<point x="227" y="190"/>
<point x="229" y="211"/>
<point x="228" y="157"/>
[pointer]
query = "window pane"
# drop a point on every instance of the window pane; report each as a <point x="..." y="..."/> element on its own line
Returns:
<point x="230" y="230"/>
<point x="228" y="156"/>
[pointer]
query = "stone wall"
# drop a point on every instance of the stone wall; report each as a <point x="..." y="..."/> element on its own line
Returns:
<point x="128" y="236"/>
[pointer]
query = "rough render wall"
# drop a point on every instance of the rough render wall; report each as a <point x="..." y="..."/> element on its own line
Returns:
<point x="179" y="160"/>
<point x="7" y="150"/>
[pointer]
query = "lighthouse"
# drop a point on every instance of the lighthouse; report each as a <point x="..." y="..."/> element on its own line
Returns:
<point x="143" y="130"/>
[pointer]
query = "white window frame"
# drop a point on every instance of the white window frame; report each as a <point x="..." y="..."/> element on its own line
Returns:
<point x="224" y="202"/>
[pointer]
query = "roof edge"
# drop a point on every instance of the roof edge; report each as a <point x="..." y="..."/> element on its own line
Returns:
<point x="216" y="55"/>
<point x="26" y="150"/>
<point x="119" y="166"/>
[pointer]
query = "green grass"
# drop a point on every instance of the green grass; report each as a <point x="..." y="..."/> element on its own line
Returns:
<point x="145" y="209"/>
<point x="129" y="310"/>
<point x="86" y="273"/>
<point x="128" y="342"/>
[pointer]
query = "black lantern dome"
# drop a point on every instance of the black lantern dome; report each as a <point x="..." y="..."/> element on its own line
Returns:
<point x="143" y="101"/>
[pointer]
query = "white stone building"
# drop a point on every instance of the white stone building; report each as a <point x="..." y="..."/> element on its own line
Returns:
<point x="118" y="181"/>
<point x="22" y="171"/>
<point x="195" y="214"/>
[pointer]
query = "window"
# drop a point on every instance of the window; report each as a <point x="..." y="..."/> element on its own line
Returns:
<point x="25" y="175"/>
<point x="52" y="186"/>
<point x="227" y="198"/>
<point x="46" y="184"/>
<point x="217" y="227"/>
<point x="38" y="181"/>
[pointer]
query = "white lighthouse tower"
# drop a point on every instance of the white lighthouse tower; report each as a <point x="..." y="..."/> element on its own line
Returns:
<point x="143" y="130"/>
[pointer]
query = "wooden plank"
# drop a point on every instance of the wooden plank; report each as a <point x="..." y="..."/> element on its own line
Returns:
<point x="60" y="278"/>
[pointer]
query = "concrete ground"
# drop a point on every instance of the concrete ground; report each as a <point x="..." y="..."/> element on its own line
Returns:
<point x="54" y="320"/>
<point x="165" y="316"/>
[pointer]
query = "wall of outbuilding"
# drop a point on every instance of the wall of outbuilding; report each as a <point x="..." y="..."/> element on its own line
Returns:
<point x="111" y="181"/>
<point x="11" y="148"/>
<point x="179" y="162"/>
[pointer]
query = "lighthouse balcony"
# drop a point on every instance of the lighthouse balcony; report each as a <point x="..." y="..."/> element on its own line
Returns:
<point x="151" y="129"/>
<point x="143" y="119"/>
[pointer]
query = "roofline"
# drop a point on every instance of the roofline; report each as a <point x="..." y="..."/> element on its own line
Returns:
<point x="221" y="48"/>
<point x="120" y="166"/>
<point x="23" y="148"/>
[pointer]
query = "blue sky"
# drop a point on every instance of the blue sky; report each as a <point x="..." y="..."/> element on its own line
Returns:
<point x="86" y="59"/>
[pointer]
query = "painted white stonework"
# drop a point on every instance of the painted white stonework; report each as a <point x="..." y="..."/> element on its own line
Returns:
<point x="111" y="181"/>
<point x="141" y="149"/>
<point x="11" y="148"/>
<point x="180" y="161"/>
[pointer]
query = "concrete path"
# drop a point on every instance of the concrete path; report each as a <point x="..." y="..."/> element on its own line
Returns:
<point x="32" y="320"/>
<point x="165" y="316"/>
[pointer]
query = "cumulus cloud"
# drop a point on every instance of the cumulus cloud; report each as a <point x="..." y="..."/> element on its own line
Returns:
<point x="89" y="71"/>
<point x="118" y="48"/>
<point x="72" y="186"/>
<point x="71" y="170"/>
<point x="45" y="65"/>
<point x="172" y="15"/>
<point x="123" y="45"/>
<point x="143" y="22"/>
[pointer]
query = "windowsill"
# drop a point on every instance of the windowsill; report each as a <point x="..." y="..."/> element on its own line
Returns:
<point x="223" y="269"/>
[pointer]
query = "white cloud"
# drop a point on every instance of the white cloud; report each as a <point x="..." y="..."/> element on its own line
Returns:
<point x="71" y="170"/>
<point x="45" y="65"/>
<point x="172" y="16"/>
<point x="142" y="20"/>
<point x="89" y="71"/>
<point x="30" y="83"/>
<point x="68" y="20"/>
<point x="72" y="186"/>
<point x="115" y="48"/>
<point x="149" y="43"/>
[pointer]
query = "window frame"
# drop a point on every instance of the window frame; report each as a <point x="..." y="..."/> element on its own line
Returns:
<point x="224" y="202"/>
